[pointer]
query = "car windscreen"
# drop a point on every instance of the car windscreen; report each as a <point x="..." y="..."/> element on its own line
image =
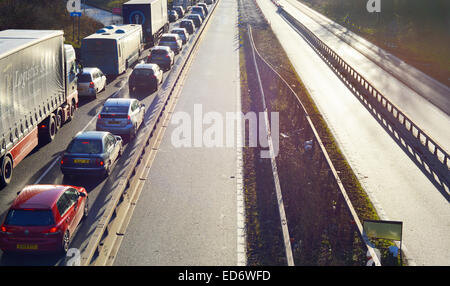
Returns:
<point x="84" y="77"/>
<point x="85" y="146"/>
<point x="29" y="218"/>
<point x="143" y="72"/>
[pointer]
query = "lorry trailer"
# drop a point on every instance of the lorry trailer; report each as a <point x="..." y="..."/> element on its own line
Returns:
<point x="38" y="92"/>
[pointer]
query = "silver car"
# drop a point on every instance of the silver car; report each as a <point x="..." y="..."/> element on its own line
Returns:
<point x="90" y="82"/>
<point x="121" y="116"/>
<point x="172" y="41"/>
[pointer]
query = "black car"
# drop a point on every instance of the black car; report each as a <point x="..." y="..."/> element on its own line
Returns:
<point x="173" y="16"/>
<point x="145" y="76"/>
<point x="196" y="18"/>
<point x="188" y="25"/>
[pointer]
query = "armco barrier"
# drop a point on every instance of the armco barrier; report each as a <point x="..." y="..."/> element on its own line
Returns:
<point x="433" y="158"/>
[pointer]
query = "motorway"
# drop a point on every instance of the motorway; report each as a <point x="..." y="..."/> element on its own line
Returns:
<point x="187" y="213"/>
<point x="396" y="186"/>
<point x="42" y="165"/>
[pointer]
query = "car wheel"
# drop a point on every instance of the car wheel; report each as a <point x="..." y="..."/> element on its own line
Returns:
<point x="65" y="242"/>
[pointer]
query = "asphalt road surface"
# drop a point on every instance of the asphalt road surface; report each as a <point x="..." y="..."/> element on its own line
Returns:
<point x="187" y="212"/>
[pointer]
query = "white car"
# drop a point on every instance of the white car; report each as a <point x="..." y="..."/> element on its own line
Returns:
<point x="90" y="82"/>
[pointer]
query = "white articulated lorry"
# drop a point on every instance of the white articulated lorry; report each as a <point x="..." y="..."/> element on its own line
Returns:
<point x="38" y="92"/>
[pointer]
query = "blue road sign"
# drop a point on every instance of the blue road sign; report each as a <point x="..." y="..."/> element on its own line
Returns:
<point x="75" y="14"/>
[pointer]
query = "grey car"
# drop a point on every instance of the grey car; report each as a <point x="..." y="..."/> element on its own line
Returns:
<point x="162" y="56"/>
<point x="121" y="116"/>
<point x="172" y="41"/>
<point x="91" y="153"/>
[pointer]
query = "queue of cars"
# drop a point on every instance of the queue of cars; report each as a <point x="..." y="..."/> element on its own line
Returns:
<point x="43" y="218"/>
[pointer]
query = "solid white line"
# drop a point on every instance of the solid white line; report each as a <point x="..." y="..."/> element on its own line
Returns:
<point x="241" y="237"/>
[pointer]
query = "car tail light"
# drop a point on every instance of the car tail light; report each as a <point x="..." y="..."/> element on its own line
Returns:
<point x="99" y="116"/>
<point x="99" y="162"/>
<point x="129" y="119"/>
<point x="63" y="161"/>
<point x="91" y="84"/>
<point x="52" y="230"/>
<point x="3" y="229"/>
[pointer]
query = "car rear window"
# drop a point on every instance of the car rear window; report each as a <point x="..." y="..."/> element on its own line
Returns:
<point x="84" y="77"/>
<point x="143" y="72"/>
<point x="85" y="146"/>
<point x="197" y="9"/>
<point x="115" y="109"/>
<point x="159" y="53"/>
<point x="168" y="39"/>
<point x="29" y="218"/>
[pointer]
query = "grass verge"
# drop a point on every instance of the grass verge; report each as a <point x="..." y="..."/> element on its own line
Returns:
<point x="321" y="229"/>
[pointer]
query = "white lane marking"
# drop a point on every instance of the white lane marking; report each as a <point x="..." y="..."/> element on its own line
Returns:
<point x="241" y="237"/>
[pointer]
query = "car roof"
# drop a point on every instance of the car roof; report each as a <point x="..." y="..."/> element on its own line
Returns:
<point x="90" y="135"/>
<point x="167" y="49"/>
<point x="39" y="196"/>
<point x="118" y="101"/>
<point x="89" y="70"/>
<point x="145" y="66"/>
<point x="169" y="35"/>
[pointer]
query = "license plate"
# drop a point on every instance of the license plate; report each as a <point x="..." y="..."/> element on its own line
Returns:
<point x="114" y="122"/>
<point x="27" y="246"/>
<point x="82" y="161"/>
<point x="159" y="58"/>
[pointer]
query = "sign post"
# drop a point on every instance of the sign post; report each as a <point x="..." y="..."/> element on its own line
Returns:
<point x="74" y="8"/>
<point x="384" y="229"/>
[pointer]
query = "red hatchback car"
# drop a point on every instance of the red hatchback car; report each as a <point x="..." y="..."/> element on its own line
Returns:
<point x="43" y="218"/>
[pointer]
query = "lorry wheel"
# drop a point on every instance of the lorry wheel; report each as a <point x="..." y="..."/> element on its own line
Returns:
<point x="6" y="171"/>
<point x="58" y="120"/>
<point x="52" y="127"/>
